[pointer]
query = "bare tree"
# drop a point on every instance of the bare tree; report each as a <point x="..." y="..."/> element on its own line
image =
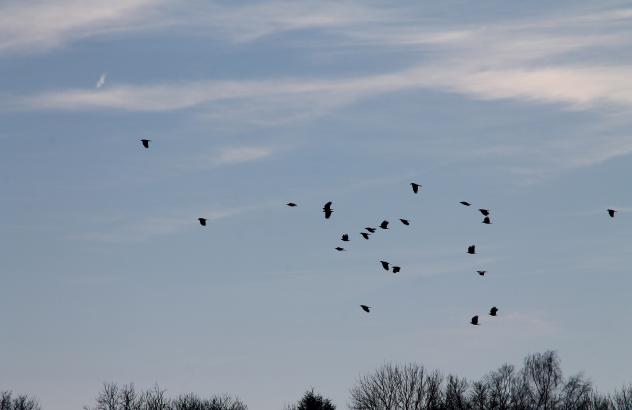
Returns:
<point x="5" y="400"/>
<point x="410" y="386"/>
<point x="544" y="376"/>
<point x="576" y="394"/>
<point x="129" y="399"/>
<point x="520" y="393"/>
<point x="108" y="398"/>
<point x="601" y="402"/>
<point x="224" y="403"/>
<point x="19" y="402"/>
<point x="456" y="393"/>
<point x="113" y="397"/>
<point x="622" y="399"/>
<point x="394" y="387"/>
<point x="478" y="396"/>
<point x="499" y="386"/>
<point x="155" y="399"/>
<point x="377" y="391"/>
<point x="191" y="401"/>
<point x="434" y="392"/>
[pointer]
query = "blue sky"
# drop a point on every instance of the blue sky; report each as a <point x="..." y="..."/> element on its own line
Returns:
<point x="522" y="108"/>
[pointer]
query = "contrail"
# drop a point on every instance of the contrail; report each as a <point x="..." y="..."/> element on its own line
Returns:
<point x="102" y="79"/>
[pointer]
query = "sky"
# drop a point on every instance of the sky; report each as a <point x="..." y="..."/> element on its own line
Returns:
<point x="519" y="107"/>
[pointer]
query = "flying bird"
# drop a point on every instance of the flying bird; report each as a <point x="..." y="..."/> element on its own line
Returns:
<point x="474" y="320"/>
<point x="372" y="230"/>
<point x="365" y="235"/>
<point x="465" y="203"/>
<point x="471" y="249"/>
<point x="291" y="204"/>
<point x="415" y="187"/>
<point x="487" y="221"/>
<point x="481" y="272"/>
<point x="345" y="237"/>
<point x="493" y="311"/>
<point x="384" y="265"/>
<point x="327" y="210"/>
<point x="202" y="221"/>
<point x="145" y="143"/>
<point x="611" y="212"/>
<point x="384" y="225"/>
<point x="405" y="221"/>
<point x="396" y="269"/>
<point x="366" y="308"/>
<point x="485" y="212"/>
<point x="339" y="249"/>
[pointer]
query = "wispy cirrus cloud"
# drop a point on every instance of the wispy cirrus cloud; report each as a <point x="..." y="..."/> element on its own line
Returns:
<point x="37" y="25"/>
<point x="531" y="62"/>
<point x="227" y="156"/>
<point x="33" y="25"/>
<point x="577" y="87"/>
<point x="242" y="154"/>
<point x="169" y="223"/>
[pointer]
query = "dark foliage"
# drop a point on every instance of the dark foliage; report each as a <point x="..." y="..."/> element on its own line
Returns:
<point x="312" y="401"/>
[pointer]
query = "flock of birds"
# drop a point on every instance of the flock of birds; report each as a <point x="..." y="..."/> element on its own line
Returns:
<point x="328" y="211"/>
<point x="387" y="266"/>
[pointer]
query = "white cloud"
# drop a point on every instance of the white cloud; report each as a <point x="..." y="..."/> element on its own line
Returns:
<point x="242" y="154"/>
<point x="40" y="25"/>
<point x="134" y="230"/>
<point x="525" y="61"/>
<point x="252" y="22"/>
<point x="576" y="87"/>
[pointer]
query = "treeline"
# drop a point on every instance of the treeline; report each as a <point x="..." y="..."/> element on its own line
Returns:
<point x="115" y="397"/>
<point x="538" y="385"/>
<point x="20" y="402"/>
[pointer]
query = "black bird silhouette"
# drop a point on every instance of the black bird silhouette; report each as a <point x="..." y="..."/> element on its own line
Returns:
<point x="471" y="249"/>
<point x="345" y="237"/>
<point x="372" y="230"/>
<point x="474" y="320"/>
<point x="202" y="221"/>
<point x="365" y="235"/>
<point x="465" y="203"/>
<point x="481" y="272"/>
<point x="291" y="204"/>
<point x="396" y="269"/>
<point x="327" y="210"/>
<point x="405" y="221"/>
<point x="611" y="212"/>
<point x="384" y="265"/>
<point x="384" y="225"/>
<point x="415" y="187"/>
<point x="487" y="221"/>
<point x="485" y="212"/>
<point x="493" y="311"/>
<point x="339" y="249"/>
<point x="145" y="143"/>
<point x="366" y="308"/>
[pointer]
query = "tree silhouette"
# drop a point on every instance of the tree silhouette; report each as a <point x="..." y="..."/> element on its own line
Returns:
<point x="114" y="397"/>
<point x="312" y="401"/>
<point x="539" y="385"/>
<point x="19" y="402"/>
